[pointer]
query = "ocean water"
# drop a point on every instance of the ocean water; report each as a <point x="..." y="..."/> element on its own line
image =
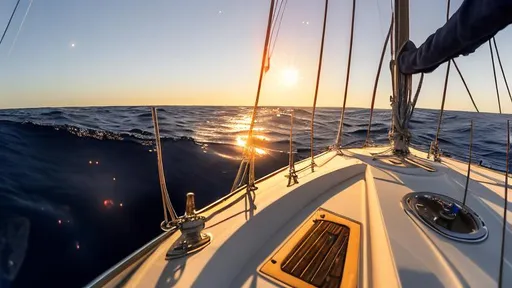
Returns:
<point x="79" y="186"/>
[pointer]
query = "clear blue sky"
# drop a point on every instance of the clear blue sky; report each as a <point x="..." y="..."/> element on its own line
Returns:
<point x="130" y="52"/>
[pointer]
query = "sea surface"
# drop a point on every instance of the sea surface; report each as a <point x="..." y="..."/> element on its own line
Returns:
<point x="79" y="186"/>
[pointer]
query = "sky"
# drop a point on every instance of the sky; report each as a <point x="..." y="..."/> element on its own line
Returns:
<point x="198" y="52"/>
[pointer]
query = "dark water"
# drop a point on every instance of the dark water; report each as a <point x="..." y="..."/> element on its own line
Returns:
<point x="79" y="188"/>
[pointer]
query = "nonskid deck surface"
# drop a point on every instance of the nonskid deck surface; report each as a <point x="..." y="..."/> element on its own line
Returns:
<point x="394" y="249"/>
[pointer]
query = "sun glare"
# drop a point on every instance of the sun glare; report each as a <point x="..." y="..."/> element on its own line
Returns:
<point x="242" y="143"/>
<point x="290" y="76"/>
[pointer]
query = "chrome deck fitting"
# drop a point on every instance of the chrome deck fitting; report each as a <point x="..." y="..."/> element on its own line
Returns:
<point x="191" y="226"/>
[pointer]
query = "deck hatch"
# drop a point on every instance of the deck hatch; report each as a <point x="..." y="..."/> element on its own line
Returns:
<point x="446" y="216"/>
<point x="323" y="252"/>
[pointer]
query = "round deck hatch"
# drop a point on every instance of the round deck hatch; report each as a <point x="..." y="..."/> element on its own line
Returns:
<point x="446" y="216"/>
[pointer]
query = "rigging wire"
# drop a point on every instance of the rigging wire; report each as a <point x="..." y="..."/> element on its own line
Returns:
<point x="262" y="72"/>
<point x="367" y="141"/>
<point x="495" y="78"/>
<point x="319" y="72"/>
<point x="392" y="55"/>
<point x="340" y="128"/>
<point x="9" y="23"/>
<point x="435" y="146"/>
<point x="275" y="14"/>
<point x="166" y="201"/>
<point x="292" y="174"/>
<point x="465" y="85"/>
<point x="21" y="26"/>
<point x="501" y="67"/>
<point x="441" y="112"/>
<point x="278" y="29"/>
<point x="468" y="175"/>
<point x="505" y="209"/>
<point x="277" y="18"/>
<point x="248" y="157"/>
<point x="406" y="113"/>
<point x="414" y="100"/>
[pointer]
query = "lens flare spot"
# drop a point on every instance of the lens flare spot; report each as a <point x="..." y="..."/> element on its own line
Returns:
<point x="108" y="203"/>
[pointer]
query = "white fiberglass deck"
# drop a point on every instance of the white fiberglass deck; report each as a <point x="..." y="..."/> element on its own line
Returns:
<point x="395" y="251"/>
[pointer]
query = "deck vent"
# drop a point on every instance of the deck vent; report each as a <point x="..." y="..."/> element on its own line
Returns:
<point x="324" y="252"/>
<point x="446" y="216"/>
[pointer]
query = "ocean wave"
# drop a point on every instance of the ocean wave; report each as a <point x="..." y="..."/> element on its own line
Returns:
<point x="52" y="113"/>
<point x="89" y="175"/>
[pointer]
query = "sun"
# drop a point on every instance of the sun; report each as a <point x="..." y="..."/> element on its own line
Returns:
<point x="290" y="76"/>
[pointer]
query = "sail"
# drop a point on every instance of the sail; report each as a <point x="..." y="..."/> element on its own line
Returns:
<point x="474" y="23"/>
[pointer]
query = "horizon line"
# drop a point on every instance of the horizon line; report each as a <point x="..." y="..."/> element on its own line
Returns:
<point x="213" y="105"/>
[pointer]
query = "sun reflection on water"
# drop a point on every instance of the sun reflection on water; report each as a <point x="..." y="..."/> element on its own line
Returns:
<point x="232" y="128"/>
<point x="240" y="141"/>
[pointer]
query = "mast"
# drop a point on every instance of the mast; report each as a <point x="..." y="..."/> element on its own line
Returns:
<point x="400" y="100"/>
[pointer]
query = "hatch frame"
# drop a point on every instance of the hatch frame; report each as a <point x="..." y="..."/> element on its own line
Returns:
<point x="272" y="265"/>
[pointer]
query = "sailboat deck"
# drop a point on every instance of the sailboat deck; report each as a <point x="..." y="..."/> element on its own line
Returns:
<point x="394" y="250"/>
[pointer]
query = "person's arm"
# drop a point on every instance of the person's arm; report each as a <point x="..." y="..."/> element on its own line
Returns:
<point x="474" y="23"/>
